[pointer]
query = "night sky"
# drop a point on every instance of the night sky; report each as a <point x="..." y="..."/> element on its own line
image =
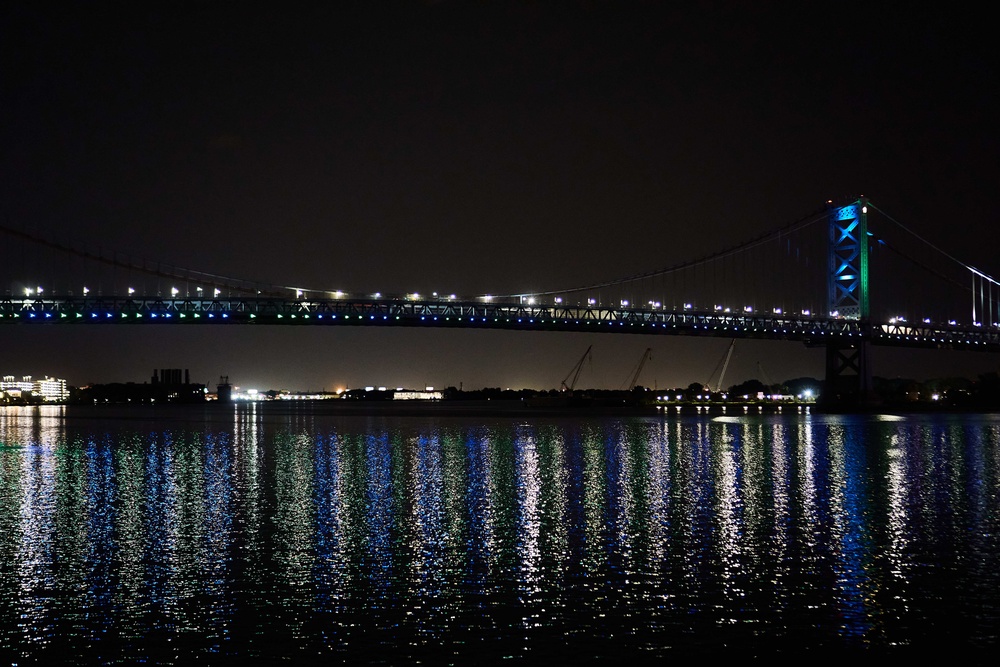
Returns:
<point x="478" y="147"/>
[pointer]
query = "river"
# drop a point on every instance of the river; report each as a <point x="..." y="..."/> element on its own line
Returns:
<point x="262" y="533"/>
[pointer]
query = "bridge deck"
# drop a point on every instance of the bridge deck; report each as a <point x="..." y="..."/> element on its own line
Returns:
<point x="484" y="315"/>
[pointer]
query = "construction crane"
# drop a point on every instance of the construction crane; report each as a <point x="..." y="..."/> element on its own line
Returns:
<point x="724" y="362"/>
<point x="764" y="376"/>
<point x="648" y="354"/>
<point x="575" y="371"/>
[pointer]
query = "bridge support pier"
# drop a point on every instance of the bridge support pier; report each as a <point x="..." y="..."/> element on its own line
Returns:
<point x="848" y="384"/>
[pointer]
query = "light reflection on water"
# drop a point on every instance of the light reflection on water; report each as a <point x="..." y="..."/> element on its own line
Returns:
<point x="266" y="532"/>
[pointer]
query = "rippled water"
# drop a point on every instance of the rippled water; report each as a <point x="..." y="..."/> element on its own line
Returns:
<point x="255" y="534"/>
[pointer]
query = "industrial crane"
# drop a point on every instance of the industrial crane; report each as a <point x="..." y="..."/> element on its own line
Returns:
<point x="768" y="384"/>
<point x="575" y="371"/>
<point x="724" y="362"/>
<point x="648" y="354"/>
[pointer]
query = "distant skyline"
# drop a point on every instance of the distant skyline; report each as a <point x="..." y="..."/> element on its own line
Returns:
<point x="510" y="360"/>
<point x="475" y="148"/>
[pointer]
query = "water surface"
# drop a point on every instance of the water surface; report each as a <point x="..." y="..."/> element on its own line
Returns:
<point x="261" y="533"/>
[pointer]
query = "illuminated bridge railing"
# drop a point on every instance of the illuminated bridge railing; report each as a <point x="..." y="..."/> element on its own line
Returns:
<point x="516" y="316"/>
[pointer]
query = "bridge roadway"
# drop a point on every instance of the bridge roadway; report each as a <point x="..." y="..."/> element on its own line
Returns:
<point x="813" y="331"/>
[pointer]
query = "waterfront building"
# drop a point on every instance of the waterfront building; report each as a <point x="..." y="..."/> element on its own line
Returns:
<point x="48" y="389"/>
<point x="414" y="395"/>
<point x="17" y="388"/>
<point x="52" y="390"/>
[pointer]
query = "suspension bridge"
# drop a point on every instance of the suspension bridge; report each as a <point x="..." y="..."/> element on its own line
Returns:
<point x="845" y="277"/>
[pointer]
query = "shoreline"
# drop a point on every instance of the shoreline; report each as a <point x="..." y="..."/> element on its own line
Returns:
<point x="516" y="408"/>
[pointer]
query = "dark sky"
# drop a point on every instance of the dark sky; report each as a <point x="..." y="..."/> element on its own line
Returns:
<point x="477" y="147"/>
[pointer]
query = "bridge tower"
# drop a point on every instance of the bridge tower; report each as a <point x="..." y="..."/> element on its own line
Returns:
<point x="848" y="374"/>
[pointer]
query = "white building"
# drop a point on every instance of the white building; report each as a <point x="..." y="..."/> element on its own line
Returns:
<point x="410" y="395"/>
<point x="17" y="388"/>
<point x="49" y="389"/>
<point x="52" y="390"/>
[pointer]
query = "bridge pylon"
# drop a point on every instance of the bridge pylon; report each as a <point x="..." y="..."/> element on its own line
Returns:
<point x="848" y="372"/>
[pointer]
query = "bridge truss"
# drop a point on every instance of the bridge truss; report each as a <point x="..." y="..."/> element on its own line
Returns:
<point x="259" y="311"/>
